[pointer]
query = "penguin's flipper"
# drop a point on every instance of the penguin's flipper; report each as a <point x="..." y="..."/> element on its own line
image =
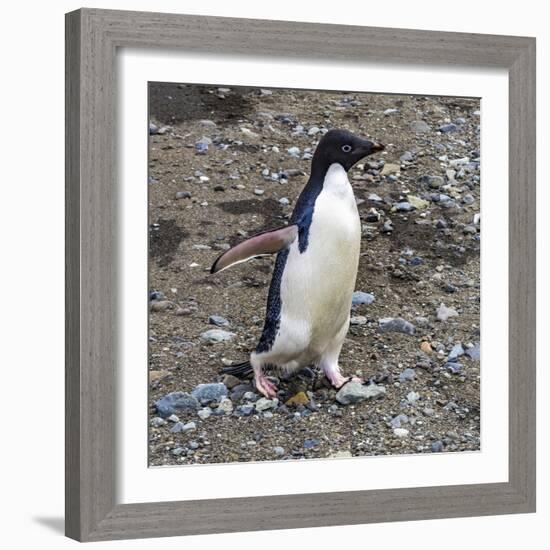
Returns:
<point x="262" y="244"/>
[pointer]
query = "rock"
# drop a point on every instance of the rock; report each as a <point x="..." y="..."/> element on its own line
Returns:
<point x="359" y="298"/>
<point x="225" y="406"/>
<point x="230" y="381"/>
<point x="388" y="227"/>
<point x="400" y="432"/>
<point x="299" y="399"/>
<point x="374" y="197"/>
<point x="162" y="305"/>
<point x="201" y="146"/>
<point x="358" y="320"/>
<point x="183" y="195"/>
<point x="407" y="156"/>
<point x="245" y="410"/>
<point x="474" y="352"/>
<point x="205" y="413"/>
<point x="207" y="123"/>
<point x="209" y="392"/>
<point x="284" y="201"/>
<point x="279" y="451"/>
<point x="173" y="418"/>
<point x="406" y="375"/>
<point x="420" y="127"/>
<point x="314" y="130"/>
<point x="426" y="347"/>
<point x="413" y="397"/>
<point x="390" y="168"/>
<point x="454" y="367"/>
<point x="448" y="128"/>
<point x="250" y="396"/>
<point x="218" y="321"/>
<point x="417" y="202"/>
<point x="155" y="375"/>
<point x="402" y="206"/>
<point x="437" y="447"/>
<point x="250" y="134"/>
<point x="311" y="443"/>
<point x="215" y="336"/>
<point x="180" y="427"/>
<point x="399" y="420"/>
<point x="455" y="353"/>
<point x="395" y="324"/>
<point x="444" y="313"/>
<point x="355" y="392"/>
<point x="156" y="295"/>
<point x="264" y="404"/>
<point x="157" y="422"/>
<point x="390" y="111"/>
<point x="259" y="192"/>
<point x="176" y="401"/>
<point x="428" y="411"/>
<point x="372" y="216"/>
<point x="293" y="151"/>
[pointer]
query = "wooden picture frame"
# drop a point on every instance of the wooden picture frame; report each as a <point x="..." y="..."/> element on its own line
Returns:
<point x="92" y="39"/>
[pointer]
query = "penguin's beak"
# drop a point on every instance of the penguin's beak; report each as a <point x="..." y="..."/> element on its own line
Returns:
<point x="369" y="147"/>
<point x="377" y="147"/>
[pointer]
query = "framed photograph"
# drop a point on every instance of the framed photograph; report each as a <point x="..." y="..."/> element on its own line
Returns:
<point x="300" y="275"/>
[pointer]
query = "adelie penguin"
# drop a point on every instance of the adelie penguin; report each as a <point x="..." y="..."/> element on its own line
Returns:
<point x="309" y="300"/>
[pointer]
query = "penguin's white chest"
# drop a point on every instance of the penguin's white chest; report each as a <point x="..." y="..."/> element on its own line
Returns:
<point x="317" y="284"/>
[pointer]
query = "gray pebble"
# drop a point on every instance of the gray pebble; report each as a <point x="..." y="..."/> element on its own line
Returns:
<point x="437" y="447"/>
<point x="360" y="297"/>
<point x="355" y="392"/>
<point x="444" y="313"/>
<point x="176" y="401"/>
<point x="406" y="375"/>
<point x="218" y="320"/>
<point x="215" y="336"/>
<point x="209" y="392"/>
<point x="396" y="324"/>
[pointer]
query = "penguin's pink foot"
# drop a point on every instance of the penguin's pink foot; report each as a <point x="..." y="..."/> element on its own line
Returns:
<point x="265" y="386"/>
<point x="338" y="380"/>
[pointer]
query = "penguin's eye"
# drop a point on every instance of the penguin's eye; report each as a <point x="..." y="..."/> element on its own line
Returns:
<point x="346" y="148"/>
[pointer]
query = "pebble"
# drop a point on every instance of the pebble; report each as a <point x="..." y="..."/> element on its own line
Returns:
<point x="407" y="156"/>
<point x="355" y="392"/>
<point x="420" y="127"/>
<point x="176" y="401"/>
<point x="230" y="381"/>
<point x="417" y="202"/>
<point x="264" y="404"/>
<point x="202" y="145"/>
<point x="358" y="320"/>
<point x="399" y="420"/>
<point x="426" y="347"/>
<point x="390" y="111"/>
<point x="437" y="447"/>
<point x="444" y="313"/>
<point x="180" y="427"/>
<point x="299" y="399"/>
<point x="311" y="443"/>
<point x="209" y="392"/>
<point x="372" y="216"/>
<point x="245" y="410"/>
<point x="183" y="195"/>
<point x="250" y="396"/>
<point x="173" y="418"/>
<point x="406" y="375"/>
<point x="215" y="336"/>
<point x="161" y="305"/>
<point x="225" y="406"/>
<point x="401" y="432"/>
<point x="474" y="352"/>
<point x="396" y="324"/>
<point x="284" y="201"/>
<point x="359" y="298"/>
<point x="454" y="367"/>
<point x="259" y="191"/>
<point x="390" y="168"/>
<point x="293" y="151"/>
<point x="455" y="353"/>
<point x="279" y="451"/>
<point x="205" y="413"/>
<point x="428" y="411"/>
<point x="314" y="130"/>
<point x="448" y="128"/>
<point x="374" y="197"/>
<point x="402" y="206"/>
<point x="413" y="397"/>
<point x="218" y="321"/>
<point x="157" y="422"/>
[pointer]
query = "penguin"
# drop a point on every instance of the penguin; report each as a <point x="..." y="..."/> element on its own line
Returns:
<point x="309" y="299"/>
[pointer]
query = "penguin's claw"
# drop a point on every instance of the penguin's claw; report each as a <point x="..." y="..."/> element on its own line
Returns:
<point x="266" y="387"/>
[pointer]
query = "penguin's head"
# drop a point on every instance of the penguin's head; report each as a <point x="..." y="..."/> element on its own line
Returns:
<point x="344" y="148"/>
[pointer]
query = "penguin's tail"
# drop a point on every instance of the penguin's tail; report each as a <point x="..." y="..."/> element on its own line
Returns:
<point x="240" y="370"/>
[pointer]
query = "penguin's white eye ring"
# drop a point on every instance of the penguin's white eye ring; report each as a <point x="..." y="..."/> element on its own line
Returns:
<point x="346" y="148"/>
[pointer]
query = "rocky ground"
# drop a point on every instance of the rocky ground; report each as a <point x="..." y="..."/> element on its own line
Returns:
<point x="228" y="163"/>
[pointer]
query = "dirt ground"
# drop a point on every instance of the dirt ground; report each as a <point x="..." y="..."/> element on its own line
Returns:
<point x="201" y="201"/>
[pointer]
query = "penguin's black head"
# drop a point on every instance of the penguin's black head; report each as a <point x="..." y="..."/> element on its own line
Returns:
<point x="343" y="147"/>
